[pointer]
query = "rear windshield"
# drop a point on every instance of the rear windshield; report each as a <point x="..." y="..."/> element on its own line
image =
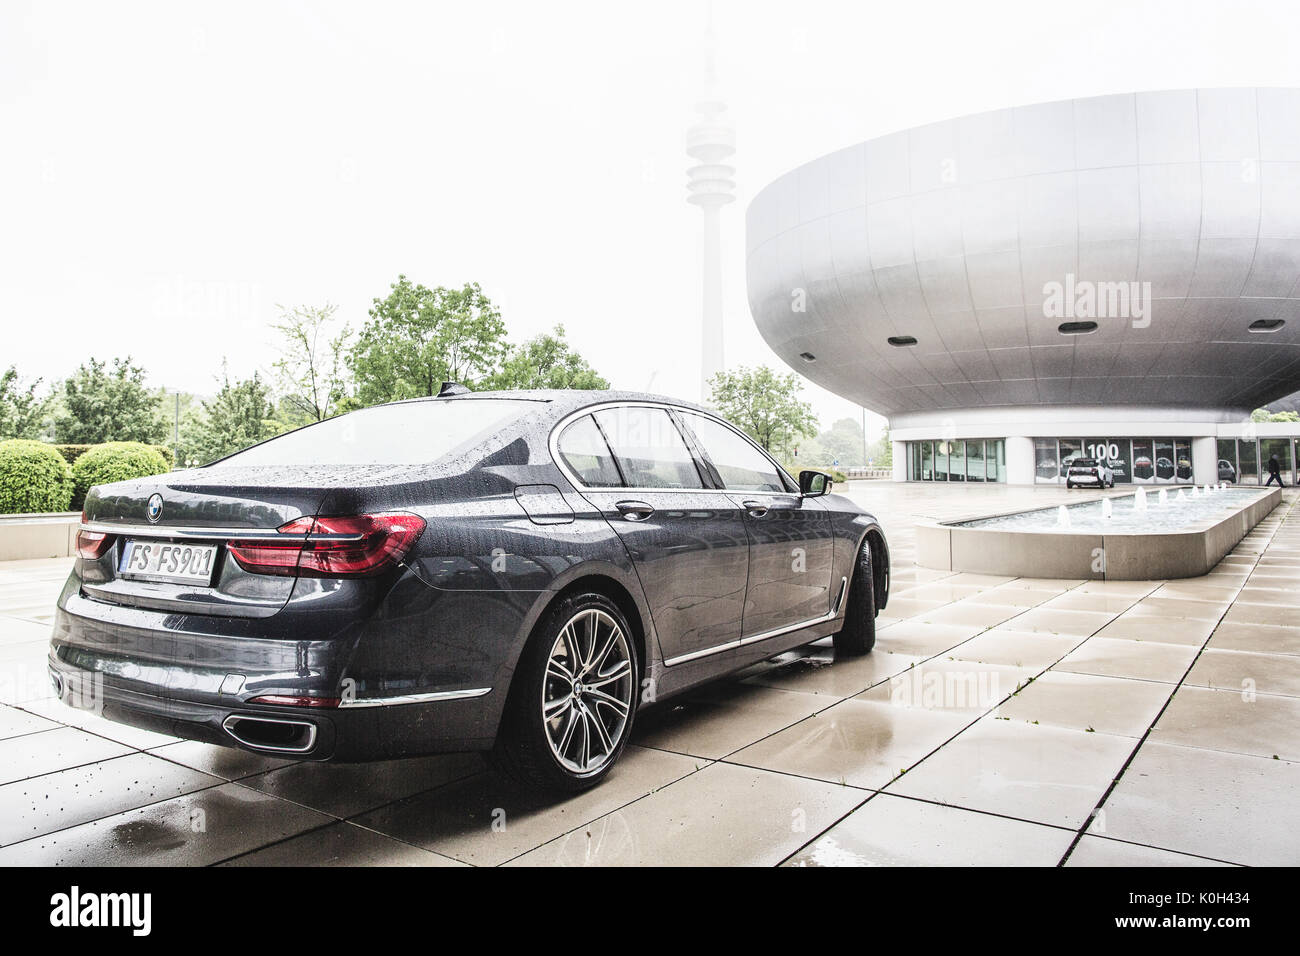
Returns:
<point x="1084" y="463"/>
<point x="411" y="433"/>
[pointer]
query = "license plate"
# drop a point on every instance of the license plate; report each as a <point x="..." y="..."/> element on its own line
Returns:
<point x="168" y="561"/>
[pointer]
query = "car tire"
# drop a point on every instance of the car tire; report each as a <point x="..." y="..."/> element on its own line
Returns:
<point x="858" y="635"/>
<point x="1069" y="486"/>
<point x="548" y="752"/>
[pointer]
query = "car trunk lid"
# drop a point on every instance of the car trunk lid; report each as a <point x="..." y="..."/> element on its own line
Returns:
<point x="187" y="519"/>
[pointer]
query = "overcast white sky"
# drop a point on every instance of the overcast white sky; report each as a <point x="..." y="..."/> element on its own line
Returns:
<point x="170" y="172"/>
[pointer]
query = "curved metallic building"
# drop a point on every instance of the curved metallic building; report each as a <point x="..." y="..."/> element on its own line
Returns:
<point x="1121" y="265"/>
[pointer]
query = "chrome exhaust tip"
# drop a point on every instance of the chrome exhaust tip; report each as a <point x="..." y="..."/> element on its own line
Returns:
<point x="271" y="734"/>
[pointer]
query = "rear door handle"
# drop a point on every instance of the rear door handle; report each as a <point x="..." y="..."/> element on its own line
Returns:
<point x="634" y="510"/>
<point x="755" y="508"/>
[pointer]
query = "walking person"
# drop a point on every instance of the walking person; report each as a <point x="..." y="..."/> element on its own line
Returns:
<point x="1274" y="473"/>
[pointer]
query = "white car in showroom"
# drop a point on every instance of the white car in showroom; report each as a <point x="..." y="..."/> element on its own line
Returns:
<point x="1089" y="471"/>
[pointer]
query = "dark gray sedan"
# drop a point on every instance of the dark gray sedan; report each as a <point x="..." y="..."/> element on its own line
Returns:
<point x="513" y="572"/>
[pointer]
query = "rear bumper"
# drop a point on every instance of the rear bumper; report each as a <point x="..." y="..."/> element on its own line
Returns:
<point x="192" y="676"/>
<point x="341" y="734"/>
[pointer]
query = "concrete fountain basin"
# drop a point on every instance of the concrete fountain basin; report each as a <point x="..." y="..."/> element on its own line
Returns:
<point x="1123" y="550"/>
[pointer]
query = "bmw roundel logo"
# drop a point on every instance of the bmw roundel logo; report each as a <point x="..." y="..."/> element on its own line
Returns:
<point x="154" y="510"/>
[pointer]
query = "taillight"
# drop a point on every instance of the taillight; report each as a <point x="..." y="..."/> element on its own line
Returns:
<point x="91" y="544"/>
<point x="333" y="547"/>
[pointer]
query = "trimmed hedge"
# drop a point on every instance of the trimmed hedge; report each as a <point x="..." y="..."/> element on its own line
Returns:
<point x="114" y="461"/>
<point x="33" y="478"/>
<point x="72" y="452"/>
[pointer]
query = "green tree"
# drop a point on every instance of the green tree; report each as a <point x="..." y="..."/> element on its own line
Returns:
<point x="100" y="404"/>
<point x="418" y="338"/>
<point x="241" y="414"/>
<point x="882" y="451"/>
<point x="312" y="369"/>
<point x="546" y="361"/>
<point x="841" y="442"/>
<point x="765" y="405"/>
<point x="22" y="411"/>
<point x="1263" y="415"/>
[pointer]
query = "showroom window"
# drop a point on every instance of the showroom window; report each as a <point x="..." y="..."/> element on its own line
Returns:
<point x="1248" y="461"/>
<point x="971" y="459"/>
<point x="1281" y="449"/>
<point x="1142" y="461"/>
<point x="1227" y="448"/>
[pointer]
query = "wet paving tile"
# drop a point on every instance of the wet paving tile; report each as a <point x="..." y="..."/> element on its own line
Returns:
<point x="1264" y="638"/>
<point x="1080" y="600"/>
<point x="859" y="743"/>
<point x="693" y="823"/>
<point x="1261" y="595"/>
<point x="195" y="829"/>
<point x="57" y="801"/>
<point x="712" y="725"/>
<point x="952" y="686"/>
<point x="54" y="709"/>
<point x="1048" y="620"/>
<point x="1028" y="650"/>
<point x="1022" y="598"/>
<point x="485" y="820"/>
<point x="1107" y="705"/>
<point x="15" y="722"/>
<point x="341" y="844"/>
<point x="1277" y="615"/>
<point x="344" y="790"/>
<point x="894" y="831"/>
<point x="1100" y="851"/>
<point x="1224" y="806"/>
<point x="1030" y="772"/>
<point x="48" y="751"/>
<point x="923" y="640"/>
<point x="969" y="614"/>
<point x="1169" y="609"/>
<point x="224" y="762"/>
<point x="1143" y="660"/>
<point x="1133" y="627"/>
<point x="1244" y="671"/>
<point x="1239" y="721"/>
<point x="902" y="606"/>
<point x="821" y="673"/>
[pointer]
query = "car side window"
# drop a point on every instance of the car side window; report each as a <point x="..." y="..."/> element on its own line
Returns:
<point x="650" y="450"/>
<point x="741" y="466"/>
<point x="583" y="449"/>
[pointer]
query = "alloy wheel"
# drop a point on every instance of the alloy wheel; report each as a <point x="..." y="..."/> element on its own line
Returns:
<point x="587" y="692"/>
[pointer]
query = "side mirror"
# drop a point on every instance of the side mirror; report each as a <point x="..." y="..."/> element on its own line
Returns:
<point x="814" y="484"/>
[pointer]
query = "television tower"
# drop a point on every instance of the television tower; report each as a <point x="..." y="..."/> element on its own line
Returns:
<point x="710" y="141"/>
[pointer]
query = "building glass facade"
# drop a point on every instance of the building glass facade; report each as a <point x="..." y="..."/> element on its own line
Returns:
<point x="971" y="459"/>
<point x="1244" y="461"/>
<point x="1141" y="461"/>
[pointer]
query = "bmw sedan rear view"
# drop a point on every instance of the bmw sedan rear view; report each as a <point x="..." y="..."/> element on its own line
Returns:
<point x="512" y="572"/>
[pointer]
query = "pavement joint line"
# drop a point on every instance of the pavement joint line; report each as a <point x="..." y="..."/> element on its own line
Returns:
<point x="1290" y="506"/>
<point x="978" y="718"/>
<point x="617" y="809"/>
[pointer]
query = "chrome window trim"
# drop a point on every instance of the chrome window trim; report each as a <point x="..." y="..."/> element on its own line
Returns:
<point x="553" y="444"/>
<point x="414" y="698"/>
<point x="781" y="472"/>
<point x="769" y="634"/>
